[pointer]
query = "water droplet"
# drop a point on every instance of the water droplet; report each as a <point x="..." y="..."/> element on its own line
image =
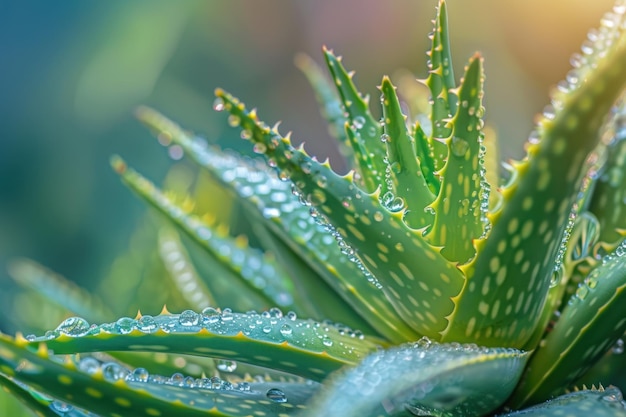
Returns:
<point x="459" y="146"/>
<point x="89" y="365"/>
<point x="226" y="365"/>
<point x="211" y="315"/>
<point x="245" y="134"/>
<point x="113" y="371"/>
<point x="259" y="148"/>
<point x="618" y="347"/>
<point x="321" y="180"/>
<point x="147" y="324"/>
<point x="326" y="341"/>
<point x="125" y="325"/>
<point x="61" y="407"/>
<point x="234" y="120"/>
<point x="384" y="138"/>
<point x="188" y="318"/>
<point x="140" y="375"/>
<point x="557" y="276"/>
<point x="378" y="216"/>
<point x="359" y="122"/>
<point x="276" y="395"/>
<point x="286" y="330"/>
<point x="74" y="327"/>
<point x="218" y="104"/>
<point x="177" y="379"/>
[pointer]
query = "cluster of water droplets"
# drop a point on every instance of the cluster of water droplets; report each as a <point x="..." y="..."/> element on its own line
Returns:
<point x="595" y="47"/>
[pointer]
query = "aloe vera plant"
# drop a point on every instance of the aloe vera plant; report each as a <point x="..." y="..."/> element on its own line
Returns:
<point x="473" y="293"/>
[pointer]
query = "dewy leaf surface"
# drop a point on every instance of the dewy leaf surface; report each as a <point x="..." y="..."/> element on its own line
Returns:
<point x="427" y="379"/>
<point x="598" y="403"/>
<point x="417" y="281"/>
<point x="302" y="347"/>
<point x="511" y="273"/>
<point x="588" y="327"/>
<point x="109" y="389"/>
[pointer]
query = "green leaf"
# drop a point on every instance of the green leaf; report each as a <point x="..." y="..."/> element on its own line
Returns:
<point x="302" y="347"/>
<point x="588" y="327"/>
<point x="599" y="403"/>
<point x="409" y="190"/>
<point x="416" y="280"/>
<point x="441" y="83"/>
<point x="110" y="389"/>
<point x="365" y="128"/>
<point x="512" y="271"/>
<point x="425" y="378"/>
<point x="461" y="206"/>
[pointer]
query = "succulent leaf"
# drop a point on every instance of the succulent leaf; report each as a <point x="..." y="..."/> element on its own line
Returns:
<point x="510" y="281"/>
<point x="409" y="190"/>
<point x="417" y="281"/>
<point x="601" y="403"/>
<point x="369" y="152"/>
<point x="441" y="83"/>
<point x="303" y="347"/>
<point x="588" y="327"/>
<point x="110" y="389"/>
<point x="460" y="208"/>
<point x="425" y="378"/>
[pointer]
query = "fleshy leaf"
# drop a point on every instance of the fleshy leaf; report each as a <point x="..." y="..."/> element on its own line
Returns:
<point x="110" y="389"/>
<point x="302" y="347"/>
<point x="512" y="271"/>
<point x="409" y="190"/>
<point x="441" y="83"/>
<point x="588" y="327"/>
<point x="417" y="281"/>
<point x="371" y="167"/>
<point x="292" y="221"/>
<point x="461" y="206"/>
<point x="425" y="378"/>
<point x="599" y="403"/>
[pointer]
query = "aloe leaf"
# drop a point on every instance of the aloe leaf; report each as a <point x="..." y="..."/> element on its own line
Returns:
<point x="292" y="221"/>
<point x="250" y="264"/>
<point x="513" y="269"/>
<point x="599" y="403"/>
<point x="417" y="281"/>
<point x="460" y="208"/>
<point x="302" y="347"/>
<point x="610" y="189"/>
<point x="330" y="104"/>
<point x="409" y="189"/>
<point x="426" y="157"/>
<point x="58" y="290"/>
<point x="110" y="389"/>
<point x="425" y="378"/>
<point x="40" y="405"/>
<point x="441" y="82"/>
<point x="371" y="167"/>
<point x="588" y="327"/>
<point x="182" y="271"/>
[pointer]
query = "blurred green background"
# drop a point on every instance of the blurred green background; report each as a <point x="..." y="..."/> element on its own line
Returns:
<point x="72" y="72"/>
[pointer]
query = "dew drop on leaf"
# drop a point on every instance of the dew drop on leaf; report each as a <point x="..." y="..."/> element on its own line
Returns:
<point x="74" y="326"/>
<point x="211" y="314"/>
<point x="188" y="318"/>
<point x="226" y="365"/>
<point x="459" y="146"/>
<point x="89" y="365"/>
<point x="125" y="325"/>
<point x="147" y="324"/>
<point x="276" y="395"/>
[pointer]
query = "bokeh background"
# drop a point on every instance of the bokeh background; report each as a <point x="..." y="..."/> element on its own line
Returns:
<point x="72" y="72"/>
